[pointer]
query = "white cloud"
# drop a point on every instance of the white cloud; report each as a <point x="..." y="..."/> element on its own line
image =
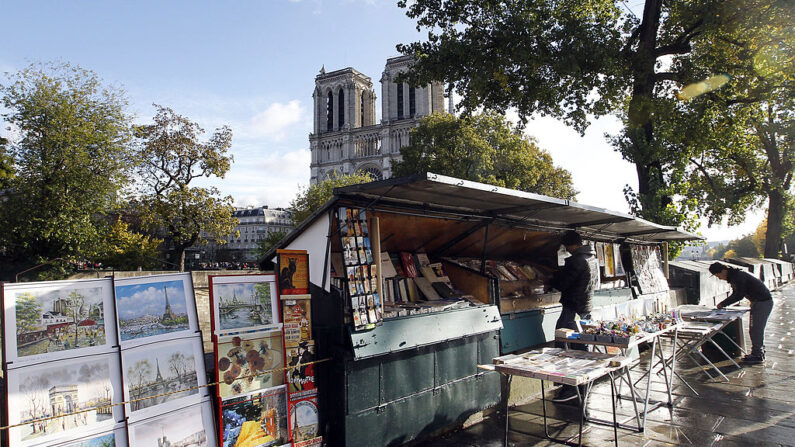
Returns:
<point x="273" y="122"/>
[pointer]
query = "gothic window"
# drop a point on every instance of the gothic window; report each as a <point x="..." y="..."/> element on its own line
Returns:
<point x="341" y="108"/>
<point x="330" y="112"/>
<point x="374" y="172"/>
<point x="412" y="102"/>
<point x="362" y="111"/>
<point x="400" y="101"/>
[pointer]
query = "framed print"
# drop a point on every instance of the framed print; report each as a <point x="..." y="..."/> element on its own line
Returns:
<point x="155" y="308"/>
<point x="297" y="316"/>
<point x="244" y="362"/>
<point x="59" y="388"/>
<point x="304" y="421"/>
<point x="301" y="379"/>
<point x="241" y="303"/>
<point x="55" y="320"/>
<point x="293" y="272"/>
<point x="151" y="370"/>
<point x="192" y="426"/>
<point x="113" y="438"/>
<point x="256" y="419"/>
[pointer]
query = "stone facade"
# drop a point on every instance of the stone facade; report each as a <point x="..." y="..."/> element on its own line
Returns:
<point x="346" y="138"/>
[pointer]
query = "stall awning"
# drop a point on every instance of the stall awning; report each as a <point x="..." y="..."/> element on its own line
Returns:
<point x="434" y="192"/>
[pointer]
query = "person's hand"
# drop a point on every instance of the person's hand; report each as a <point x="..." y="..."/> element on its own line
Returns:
<point x="719" y="306"/>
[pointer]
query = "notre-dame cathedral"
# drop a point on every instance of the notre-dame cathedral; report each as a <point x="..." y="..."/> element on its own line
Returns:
<point x="347" y="138"/>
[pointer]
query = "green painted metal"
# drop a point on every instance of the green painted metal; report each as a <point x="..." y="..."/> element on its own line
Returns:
<point x="363" y="387"/>
<point x="526" y="329"/>
<point x="458" y="359"/>
<point x="407" y="333"/>
<point x="403" y="375"/>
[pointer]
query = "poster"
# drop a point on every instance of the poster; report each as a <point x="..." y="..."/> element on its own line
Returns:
<point x="302" y="378"/>
<point x="165" y="367"/>
<point x="244" y="302"/>
<point x="245" y="362"/>
<point x="54" y="320"/>
<point x="153" y="308"/>
<point x="63" y="387"/>
<point x="192" y="426"/>
<point x="257" y="419"/>
<point x="297" y="316"/>
<point x="304" y="421"/>
<point x="293" y="272"/>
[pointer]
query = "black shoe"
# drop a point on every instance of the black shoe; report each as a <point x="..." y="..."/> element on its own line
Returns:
<point x="753" y="359"/>
<point x="566" y="394"/>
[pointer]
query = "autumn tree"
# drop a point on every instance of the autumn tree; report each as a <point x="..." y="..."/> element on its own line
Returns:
<point x="69" y="149"/>
<point x="311" y="198"/>
<point x="574" y="60"/>
<point x="126" y="249"/>
<point x="483" y="148"/>
<point x="172" y="157"/>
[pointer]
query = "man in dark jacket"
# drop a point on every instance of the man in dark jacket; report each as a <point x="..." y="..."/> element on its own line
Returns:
<point x="745" y="285"/>
<point x="576" y="282"/>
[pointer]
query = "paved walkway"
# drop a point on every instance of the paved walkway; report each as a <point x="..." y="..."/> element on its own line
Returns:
<point x="756" y="408"/>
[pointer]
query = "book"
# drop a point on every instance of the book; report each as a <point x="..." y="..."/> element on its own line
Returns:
<point x="422" y="259"/>
<point x="443" y="290"/>
<point x="505" y="274"/>
<point x="426" y="288"/>
<point x="387" y="268"/>
<point x="411" y="287"/>
<point x="428" y="273"/>
<point x="403" y="290"/>
<point x="407" y="260"/>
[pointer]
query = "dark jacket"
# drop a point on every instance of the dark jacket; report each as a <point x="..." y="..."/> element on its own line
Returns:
<point x="745" y="285"/>
<point x="577" y="280"/>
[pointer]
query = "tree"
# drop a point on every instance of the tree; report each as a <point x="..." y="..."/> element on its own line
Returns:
<point x="139" y="375"/>
<point x="28" y="313"/>
<point x="171" y="158"/>
<point x="178" y="364"/>
<point x="125" y="249"/>
<point x="6" y="165"/>
<point x="71" y="154"/>
<point x="311" y="198"/>
<point x="573" y="60"/>
<point x="75" y="308"/>
<point x="266" y="243"/>
<point x="738" y="138"/>
<point x="483" y="148"/>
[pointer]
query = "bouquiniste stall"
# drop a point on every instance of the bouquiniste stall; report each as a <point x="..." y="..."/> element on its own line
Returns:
<point x="415" y="281"/>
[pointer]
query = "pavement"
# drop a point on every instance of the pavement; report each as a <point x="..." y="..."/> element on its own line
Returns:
<point x="755" y="408"/>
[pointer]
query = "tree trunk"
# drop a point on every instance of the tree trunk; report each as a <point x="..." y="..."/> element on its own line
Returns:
<point x="640" y="128"/>
<point x="181" y="257"/>
<point x="775" y="224"/>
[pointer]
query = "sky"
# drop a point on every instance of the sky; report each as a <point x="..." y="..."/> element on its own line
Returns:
<point x="250" y="64"/>
<point x="137" y="300"/>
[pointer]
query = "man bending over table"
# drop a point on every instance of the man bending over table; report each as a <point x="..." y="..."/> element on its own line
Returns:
<point x="745" y="285"/>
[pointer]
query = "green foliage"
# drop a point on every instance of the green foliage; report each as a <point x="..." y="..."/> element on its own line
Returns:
<point x="172" y="157"/>
<point x="483" y="148"/>
<point x="312" y="198"/>
<point x="744" y="247"/>
<point x="125" y="249"/>
<point x="28" y="312"/>
<point x="6" y="165"/>
<point x="268" y="242"/>
<point x="72" y="158"/>
<point x="573" y="60"/>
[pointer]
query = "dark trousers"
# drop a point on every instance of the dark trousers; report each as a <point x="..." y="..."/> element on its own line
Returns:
<point x="567" y="320"/>
<point x="760" y="310"/>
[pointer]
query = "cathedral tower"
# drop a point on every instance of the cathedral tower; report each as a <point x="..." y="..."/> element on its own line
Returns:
<point x="346" y="137"/>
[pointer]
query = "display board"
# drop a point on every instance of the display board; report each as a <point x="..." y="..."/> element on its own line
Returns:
<point x="360" y="270"/>
<point x="647" y="264"/>
<point x="76" y="350"/>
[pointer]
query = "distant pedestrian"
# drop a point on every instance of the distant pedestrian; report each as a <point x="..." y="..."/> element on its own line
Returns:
<point x="745" y="285"/>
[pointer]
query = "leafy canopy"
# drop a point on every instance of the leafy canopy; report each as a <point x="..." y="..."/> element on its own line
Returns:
<point x="483" y="148"/>
<point x="71" y="155"/>
<point x="125" y="249"/>
<point x="312" y="198"/>
<point x="172" y="156"/>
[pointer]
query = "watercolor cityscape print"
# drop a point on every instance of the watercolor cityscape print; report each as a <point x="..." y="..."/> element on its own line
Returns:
<point x="151" y="371"/>
<point x="61" y="389"/>
<point x="242" y="305"/>
<point x="151" y="309"/>
<point x="59" y="320"/>
<point x="183" y="428"/>
<point x="108" y="440"/>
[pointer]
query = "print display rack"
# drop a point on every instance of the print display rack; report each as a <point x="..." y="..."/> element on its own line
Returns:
<point x="249" y="356"/>
<point x="361" y="274"/>
<point x="303" y="422"/>
<point x="74" y="350"/>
